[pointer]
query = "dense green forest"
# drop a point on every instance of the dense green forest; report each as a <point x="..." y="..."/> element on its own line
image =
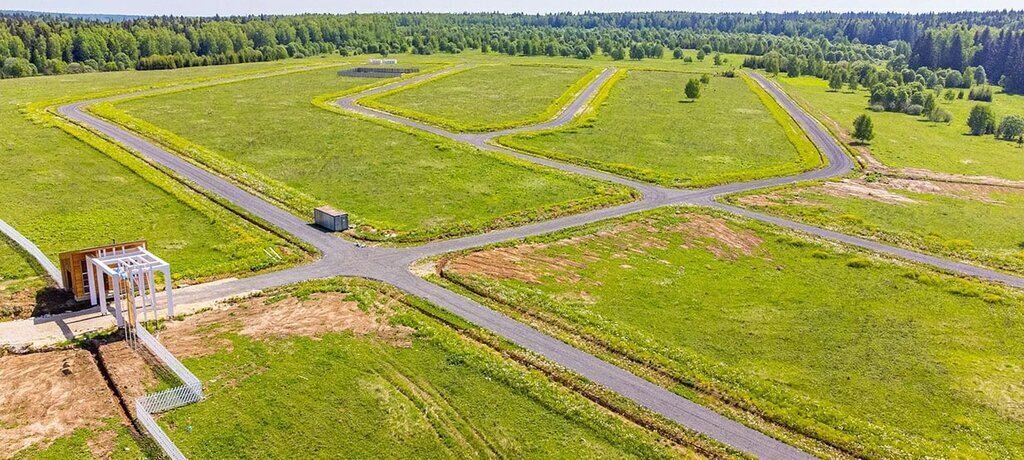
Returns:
<point x="811" y="43"/>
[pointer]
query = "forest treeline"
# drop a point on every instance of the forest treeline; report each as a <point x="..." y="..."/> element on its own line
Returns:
<point x="46" y="44"/>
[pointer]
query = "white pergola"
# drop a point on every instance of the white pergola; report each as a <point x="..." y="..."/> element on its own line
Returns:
<point x="132" y="274"/>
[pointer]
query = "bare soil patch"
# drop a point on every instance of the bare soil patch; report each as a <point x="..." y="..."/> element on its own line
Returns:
<point x="528" y="264"/>
<point x="884" y="190"/>
<point x="722" y="240"/>
<point x="263" y="318"/>
<point x="131" y="371"/>
<point x="849" y="188"/>
<point x="46" y="396"/>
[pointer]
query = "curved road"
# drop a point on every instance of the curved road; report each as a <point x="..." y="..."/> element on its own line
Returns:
<point x="391" y="265"/>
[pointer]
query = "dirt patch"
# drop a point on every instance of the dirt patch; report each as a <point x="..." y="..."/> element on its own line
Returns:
<point x="131" y="371"/>
<point x="521" y="263"/>
<point x="977" y="192"/>
<point x="883" y="190"/>
<point x="721" y="240"/>
<point x="262" y="318"/>
<point x="46" y="396"/>
<point x="17" y="299"/>
<point x="849" y="188"/>
<point x="528" y="264"/>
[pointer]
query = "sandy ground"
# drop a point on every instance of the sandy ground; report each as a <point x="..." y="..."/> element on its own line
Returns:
<point x="45" y="396"/>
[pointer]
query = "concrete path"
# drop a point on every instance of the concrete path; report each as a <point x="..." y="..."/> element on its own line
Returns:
<point x="390" y="265"/>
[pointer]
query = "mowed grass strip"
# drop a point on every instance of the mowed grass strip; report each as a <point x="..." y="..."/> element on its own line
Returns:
<point x="645" y="128"/>
<point x="488" y="97"/>
<point x="397" y="184"/>
<point x="879" y="358"/>
<point x="379" y="379"/>
<point x="64" y="194"/>
<point x="905" y="141"/>
<point x="973" y="223"/>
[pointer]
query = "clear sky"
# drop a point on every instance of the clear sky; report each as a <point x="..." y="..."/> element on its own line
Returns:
<point x="225" y="7"/>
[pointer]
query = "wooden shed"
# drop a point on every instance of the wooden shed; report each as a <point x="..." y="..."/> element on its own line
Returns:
<point x="330" y="218"/>
<point x="74" y="266"/>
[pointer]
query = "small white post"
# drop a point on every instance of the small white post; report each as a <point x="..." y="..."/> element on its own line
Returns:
<point x="117" y="300"/>
<point x="151" y="280"/>
<point x="170" y="299"/>
<point x="90" y="271"/>
<point x="102" y="291"/>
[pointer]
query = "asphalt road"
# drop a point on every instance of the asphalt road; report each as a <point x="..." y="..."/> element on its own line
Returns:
<point x="391" y="265"/>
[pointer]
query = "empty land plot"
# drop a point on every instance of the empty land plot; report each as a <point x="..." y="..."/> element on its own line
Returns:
<point x="56" y="405"/>
<point x="975" y="223"/>
<point x="488" y="97"/>
<point x="879" y="358"/>
<point x="646" y="129"/>
<point x="334" y="366"/>
<point x="395" y="184"/>
<point x="905" y="141"/>
<point x="63" y="194"/>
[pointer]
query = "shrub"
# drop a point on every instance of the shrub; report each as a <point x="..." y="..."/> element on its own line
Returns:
<point x="1011" y="128"/>
<point x="981" y="121"/>
<point x="914" y="110"/>
<point x="17" y="67"/>
<point x="940" y="115"/>
<point x="877" y="108"/>
<point x="863" y="128"/>
<point x="980" y="93"/>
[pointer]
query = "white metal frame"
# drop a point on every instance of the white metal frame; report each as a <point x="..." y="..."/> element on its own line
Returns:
<point x="133" y="271"/>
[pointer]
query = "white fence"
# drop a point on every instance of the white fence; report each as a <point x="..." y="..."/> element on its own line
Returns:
<point x="34" y="251"/>
<point x="190" y="392"/>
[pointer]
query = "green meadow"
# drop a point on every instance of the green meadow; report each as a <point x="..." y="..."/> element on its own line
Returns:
<point x="397" y="185"/>
<point x="415" y="388"/>
<point x="979" y="225"/>
<point x="905" y="141"/>
<point x="644" y="127"/>
<point x="876" y="357"/>
<point x="64" y="193"/>
<point x="488" y="97"/>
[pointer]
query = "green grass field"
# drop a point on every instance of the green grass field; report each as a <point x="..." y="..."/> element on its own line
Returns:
<point x="396" y="185"/>
<point x="646" y="129"/>
<point x="879" y="358"/>
<point x="79" y="445"/>
<point x="409" y="388"/>
<point x="489" y="97"/>
<point x="63" y="194"/>
<point x="906" y="141"/>
<point x="979" y="225"/>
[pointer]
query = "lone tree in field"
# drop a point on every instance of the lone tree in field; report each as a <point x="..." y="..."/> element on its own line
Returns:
<point x="693" y="89"/>
<point x="863" y="129"/>
<point x="981" y="121"/>
<point x="835" y="83"/>
<point x="1011" y="128"/>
